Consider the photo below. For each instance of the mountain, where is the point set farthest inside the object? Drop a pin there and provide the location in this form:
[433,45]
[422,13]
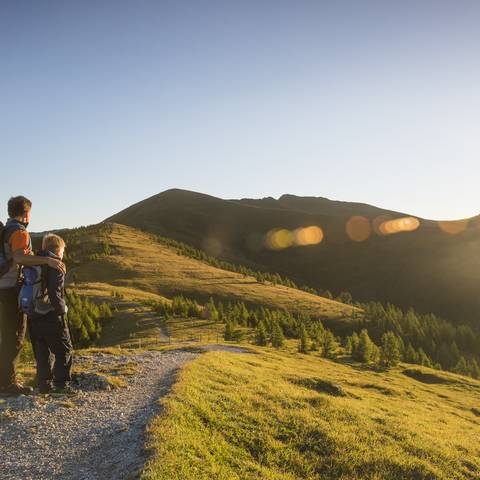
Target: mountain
[433,268]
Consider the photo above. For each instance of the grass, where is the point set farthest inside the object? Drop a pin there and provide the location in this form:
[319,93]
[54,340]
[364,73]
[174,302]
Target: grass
[140,267]
[273,415]
[198,330]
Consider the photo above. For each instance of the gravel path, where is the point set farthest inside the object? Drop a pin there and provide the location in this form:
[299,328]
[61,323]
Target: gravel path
[94,435]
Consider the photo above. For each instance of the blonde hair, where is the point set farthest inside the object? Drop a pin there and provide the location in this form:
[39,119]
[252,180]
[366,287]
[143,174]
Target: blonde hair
[52,242]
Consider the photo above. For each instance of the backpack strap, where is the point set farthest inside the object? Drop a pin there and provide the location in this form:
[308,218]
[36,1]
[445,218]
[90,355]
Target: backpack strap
[8,230]
[2,239]
[44,277]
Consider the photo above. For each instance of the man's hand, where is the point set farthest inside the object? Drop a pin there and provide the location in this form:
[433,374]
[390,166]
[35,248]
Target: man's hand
[57,264]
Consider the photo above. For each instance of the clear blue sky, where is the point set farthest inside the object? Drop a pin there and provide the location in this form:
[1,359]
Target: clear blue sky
[104,103]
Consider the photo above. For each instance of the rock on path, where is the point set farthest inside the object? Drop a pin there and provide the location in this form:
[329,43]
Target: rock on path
[94,435]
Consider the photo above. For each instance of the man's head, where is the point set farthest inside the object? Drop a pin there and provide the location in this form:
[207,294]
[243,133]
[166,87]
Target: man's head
[19,209]
[53,243]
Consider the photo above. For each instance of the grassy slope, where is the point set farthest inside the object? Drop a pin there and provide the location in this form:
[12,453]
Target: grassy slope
[427,269]
[140,264]
[250,416]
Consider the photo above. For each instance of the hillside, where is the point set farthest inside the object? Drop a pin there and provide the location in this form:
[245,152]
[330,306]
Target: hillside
[306,417]
[120,258]
[435,268]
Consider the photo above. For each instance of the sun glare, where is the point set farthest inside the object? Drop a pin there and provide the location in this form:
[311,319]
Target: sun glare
[453,227]
[405,224]
[358,228]
[281,238]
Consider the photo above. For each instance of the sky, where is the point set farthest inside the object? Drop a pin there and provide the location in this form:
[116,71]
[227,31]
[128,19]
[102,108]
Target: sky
[104,103]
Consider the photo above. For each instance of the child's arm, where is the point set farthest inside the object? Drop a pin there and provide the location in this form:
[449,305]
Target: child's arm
[55,287]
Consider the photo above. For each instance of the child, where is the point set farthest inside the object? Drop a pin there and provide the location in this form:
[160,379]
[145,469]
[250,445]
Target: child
[49,332]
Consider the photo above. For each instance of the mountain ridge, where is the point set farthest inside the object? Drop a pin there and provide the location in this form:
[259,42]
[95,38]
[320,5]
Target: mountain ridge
[434,268]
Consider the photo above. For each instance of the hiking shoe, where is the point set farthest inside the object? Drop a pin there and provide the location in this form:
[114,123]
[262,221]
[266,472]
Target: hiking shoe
[15,389]
[64,390]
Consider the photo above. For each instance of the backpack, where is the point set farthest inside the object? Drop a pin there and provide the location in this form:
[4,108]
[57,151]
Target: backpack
[33,297]
[5,264]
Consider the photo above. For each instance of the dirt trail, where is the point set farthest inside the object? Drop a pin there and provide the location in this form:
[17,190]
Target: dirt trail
[94,435]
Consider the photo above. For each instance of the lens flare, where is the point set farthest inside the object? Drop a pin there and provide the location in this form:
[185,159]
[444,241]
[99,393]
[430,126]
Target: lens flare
[308,236]
[378,223]
[358,229]
[399,225]
[279,239]
[453,227]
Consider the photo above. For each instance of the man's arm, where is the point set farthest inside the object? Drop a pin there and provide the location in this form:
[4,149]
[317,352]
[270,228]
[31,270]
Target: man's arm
[20,257]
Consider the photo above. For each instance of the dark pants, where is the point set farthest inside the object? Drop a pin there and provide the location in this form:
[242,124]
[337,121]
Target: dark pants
[12,331]
[50,337]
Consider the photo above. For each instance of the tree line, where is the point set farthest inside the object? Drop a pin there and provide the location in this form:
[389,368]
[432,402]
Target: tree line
[85,319]
[383,335]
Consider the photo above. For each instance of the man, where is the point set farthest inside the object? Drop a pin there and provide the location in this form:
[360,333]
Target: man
[17,246]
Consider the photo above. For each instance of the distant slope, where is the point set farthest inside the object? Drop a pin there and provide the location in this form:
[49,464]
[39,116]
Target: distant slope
[137,262]
[428,269]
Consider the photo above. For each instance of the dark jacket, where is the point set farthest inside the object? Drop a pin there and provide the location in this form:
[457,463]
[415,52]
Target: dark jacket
[55,285]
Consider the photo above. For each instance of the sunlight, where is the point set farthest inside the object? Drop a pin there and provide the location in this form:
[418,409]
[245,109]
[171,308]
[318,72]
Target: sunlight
[399,225]
[453,227]
[358,228]
[281,238]
[308,236]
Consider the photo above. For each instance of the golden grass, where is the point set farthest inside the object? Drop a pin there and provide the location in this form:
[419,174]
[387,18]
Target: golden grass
[243,416]
[143,268]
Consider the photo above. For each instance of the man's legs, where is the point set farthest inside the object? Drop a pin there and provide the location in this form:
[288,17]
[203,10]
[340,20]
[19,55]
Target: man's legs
[12,328]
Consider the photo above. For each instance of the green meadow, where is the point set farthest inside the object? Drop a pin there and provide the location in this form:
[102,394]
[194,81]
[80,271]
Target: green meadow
[283,415]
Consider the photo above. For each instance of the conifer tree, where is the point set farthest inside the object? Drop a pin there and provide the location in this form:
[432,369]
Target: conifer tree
[474,369]
[355,340]
[348,345]
[261,337]
[390,352]
[277,335]
[375,354]
[365,348]
[411,356]
[229,331]
[461,367]
[211,310]
[328,344]
[423,358]
[303,344]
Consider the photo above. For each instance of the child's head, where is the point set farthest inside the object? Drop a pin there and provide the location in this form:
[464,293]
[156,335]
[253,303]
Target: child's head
[53,243]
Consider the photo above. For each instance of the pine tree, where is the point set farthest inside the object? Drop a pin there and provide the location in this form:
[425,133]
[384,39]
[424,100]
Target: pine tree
[303,344]
[211,310]
[261,337]
[355,340]
[365,349]
[277,335]
[229,331]
[461,367]
[375,354]
[348,345]
[423,358]
[474,369]
[390,353]
[329,344]
[411,356]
